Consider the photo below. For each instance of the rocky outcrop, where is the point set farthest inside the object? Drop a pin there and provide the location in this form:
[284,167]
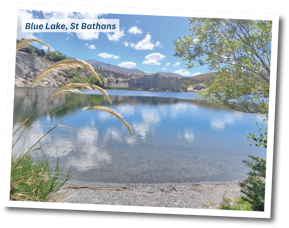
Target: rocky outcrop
[196,88]
[156,81]
[29,66]
[141,81]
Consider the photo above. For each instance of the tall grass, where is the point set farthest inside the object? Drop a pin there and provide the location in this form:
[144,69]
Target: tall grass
[32,178]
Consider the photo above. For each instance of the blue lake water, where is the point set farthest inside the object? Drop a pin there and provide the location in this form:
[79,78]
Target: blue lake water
[177,140]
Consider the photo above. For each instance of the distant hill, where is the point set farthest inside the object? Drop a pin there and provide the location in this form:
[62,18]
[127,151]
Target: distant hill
[113,68]
[171,74]
[199,79]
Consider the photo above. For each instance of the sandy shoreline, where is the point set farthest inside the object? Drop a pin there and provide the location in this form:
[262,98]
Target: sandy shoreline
[196,195]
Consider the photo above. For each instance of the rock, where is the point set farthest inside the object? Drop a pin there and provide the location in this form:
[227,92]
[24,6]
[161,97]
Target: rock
[156,81]
[29,66]
[141,81]
[199,87]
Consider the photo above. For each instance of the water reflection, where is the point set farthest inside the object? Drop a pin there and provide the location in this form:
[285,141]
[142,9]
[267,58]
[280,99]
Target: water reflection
[219,123]
[176,140]
[189,135]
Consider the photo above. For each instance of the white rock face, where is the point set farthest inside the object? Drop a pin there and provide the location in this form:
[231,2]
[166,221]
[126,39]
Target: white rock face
[29,66]
[141,81]
[156,81]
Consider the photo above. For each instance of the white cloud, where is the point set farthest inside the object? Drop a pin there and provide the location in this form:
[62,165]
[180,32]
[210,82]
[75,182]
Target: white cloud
[116,36]
[108,56]
[153,58]
[129,44]
[151,62]
[197,73]
[135,30]
[127,64]
[183,72]
[68,35]
[70,15]
[158,44]
[87,35]
[145,44]
[164,68]
[168,64]
[45,48]
[91,47]
[177,64]
[86,44]
[23,14]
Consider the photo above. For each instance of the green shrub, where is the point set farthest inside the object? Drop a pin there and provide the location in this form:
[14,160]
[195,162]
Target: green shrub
[239,204]
[93,80]
[253,187]
[34,180]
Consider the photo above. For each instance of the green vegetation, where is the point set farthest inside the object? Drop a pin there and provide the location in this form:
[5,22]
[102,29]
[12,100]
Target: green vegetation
[33,50]
[54,56]
[239,204]
[254,186]
[239,51]
[185,88]
[76,76]
[121,88]
[34,179]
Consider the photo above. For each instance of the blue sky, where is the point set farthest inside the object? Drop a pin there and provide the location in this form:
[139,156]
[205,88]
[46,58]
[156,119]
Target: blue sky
[143,42]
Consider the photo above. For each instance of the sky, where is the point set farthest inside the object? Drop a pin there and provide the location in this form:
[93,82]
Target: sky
[143,42]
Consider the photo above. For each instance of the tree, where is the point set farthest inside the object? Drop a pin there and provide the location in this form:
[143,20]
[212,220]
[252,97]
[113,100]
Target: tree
[239,51]
[55,56]
[93,80]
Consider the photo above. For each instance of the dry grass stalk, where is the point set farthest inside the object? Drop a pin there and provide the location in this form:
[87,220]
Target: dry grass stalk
[75,129]
[70,87]
[43,14]
[103,92]
[112,112]
[65,64]
[20,126]
[25,44]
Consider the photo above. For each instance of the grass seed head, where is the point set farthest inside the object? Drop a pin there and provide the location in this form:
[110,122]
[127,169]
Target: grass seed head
[112,112]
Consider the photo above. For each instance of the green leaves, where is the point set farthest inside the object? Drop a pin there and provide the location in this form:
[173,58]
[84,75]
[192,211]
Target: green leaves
[253,187]
[261,139]
[240,52]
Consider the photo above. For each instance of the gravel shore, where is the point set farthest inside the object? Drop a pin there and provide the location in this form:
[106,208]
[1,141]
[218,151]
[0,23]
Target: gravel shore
[201,195]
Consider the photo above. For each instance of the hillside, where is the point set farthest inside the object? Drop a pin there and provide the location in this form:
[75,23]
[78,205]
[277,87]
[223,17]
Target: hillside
[29,66]
[171,74]
[197,83]
[112,67]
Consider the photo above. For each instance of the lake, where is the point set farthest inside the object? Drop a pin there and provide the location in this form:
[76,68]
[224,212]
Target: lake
[177,139]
